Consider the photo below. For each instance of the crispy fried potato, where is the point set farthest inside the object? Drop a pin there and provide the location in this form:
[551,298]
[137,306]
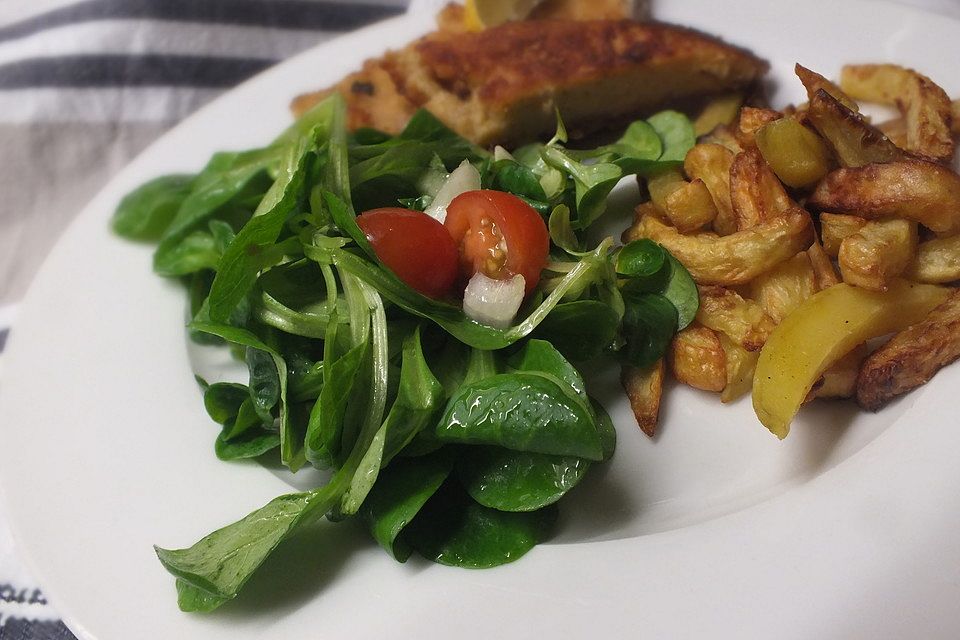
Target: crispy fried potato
[878,253]
[826,275]
[937,261]
[690,208]
[719,111]
[835,228]
[734,259]
[955,117]
[740,367]
[855,142]
[751,120]
[696,358]
[711,163]
[743,321]
[896,130]
[644,387]
[912,356]
[925,106]
[821,331]
[782,289]
[840,380]
[755,191]
[813,82]
[724,136]
[796,154]
[914,189]
[661,185]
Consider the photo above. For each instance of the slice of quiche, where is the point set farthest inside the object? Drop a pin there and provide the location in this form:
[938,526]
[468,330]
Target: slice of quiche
[502,85]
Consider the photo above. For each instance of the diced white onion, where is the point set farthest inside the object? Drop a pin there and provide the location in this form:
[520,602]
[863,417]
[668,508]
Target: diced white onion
[493,302]
[464,178]
[499,153]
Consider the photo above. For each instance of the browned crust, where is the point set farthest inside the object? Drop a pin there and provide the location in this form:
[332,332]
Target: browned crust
[912,356]
[501,85]
[919,190]
[644,388]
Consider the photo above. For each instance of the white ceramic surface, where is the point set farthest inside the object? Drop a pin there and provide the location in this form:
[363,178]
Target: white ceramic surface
[715,529]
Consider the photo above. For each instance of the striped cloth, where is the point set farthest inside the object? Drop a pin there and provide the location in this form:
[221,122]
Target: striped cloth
[84,87]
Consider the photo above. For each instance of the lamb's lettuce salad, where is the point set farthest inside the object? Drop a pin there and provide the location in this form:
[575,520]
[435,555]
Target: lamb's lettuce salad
[446,436]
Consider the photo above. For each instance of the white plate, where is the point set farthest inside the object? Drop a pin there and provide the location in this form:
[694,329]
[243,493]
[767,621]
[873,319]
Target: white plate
[847,529]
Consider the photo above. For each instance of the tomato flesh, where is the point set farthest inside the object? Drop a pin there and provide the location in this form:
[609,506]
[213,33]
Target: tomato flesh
[416,247]
[499,235]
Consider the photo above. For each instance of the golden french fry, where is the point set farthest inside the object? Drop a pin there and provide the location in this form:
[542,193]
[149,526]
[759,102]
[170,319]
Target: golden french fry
[690,208]
[855,142]
[783,288]
[751,120]
[924,105]
[840,380]
[878,253]
[733,259]
[755,191]
[696,358]
[826,275]
[720,111]
[796,154]
[914,189]
[813,82]
[711,163]
[896,130]
[740,367]
[835,228]
[824,329]
[661,185]
[743,321]
[955,117]
[723,136]
[912,356]
[644,388]
[937,261]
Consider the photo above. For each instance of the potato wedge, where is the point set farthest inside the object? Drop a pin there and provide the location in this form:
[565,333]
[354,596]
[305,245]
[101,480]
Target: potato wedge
[711,163]
[879,252]
[796,154]
[837,227]
[937,261]
[690,208]
[821,331]
[896,130]
[733,259]
[751,120]
[661,185]
[840,380]
[756,193]
[723,136]
[914,189]
[697,358]
[720,111]
[783,288]
[743,321]
[740,367]
[912,356]
[826,275]
[813,82]
[644,388]
[854,141]
[924,105]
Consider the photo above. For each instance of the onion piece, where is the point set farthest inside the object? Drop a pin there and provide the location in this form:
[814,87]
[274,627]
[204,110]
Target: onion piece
[493,302]
[499,153]
[464,178]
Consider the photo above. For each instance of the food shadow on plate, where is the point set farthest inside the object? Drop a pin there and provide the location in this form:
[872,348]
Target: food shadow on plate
[299,570]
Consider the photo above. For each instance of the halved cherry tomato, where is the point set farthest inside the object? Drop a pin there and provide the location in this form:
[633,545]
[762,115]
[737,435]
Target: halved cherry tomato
[416,247]
[498,234]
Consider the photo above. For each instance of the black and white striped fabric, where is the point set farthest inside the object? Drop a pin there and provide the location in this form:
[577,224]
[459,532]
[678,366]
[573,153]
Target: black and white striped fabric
[85,86]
